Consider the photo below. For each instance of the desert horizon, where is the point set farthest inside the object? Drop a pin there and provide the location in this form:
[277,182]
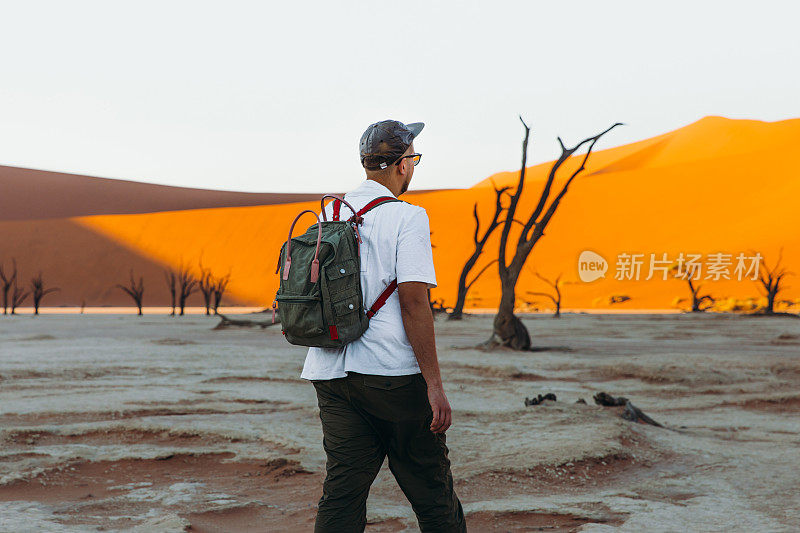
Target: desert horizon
[237,310]
[238,234]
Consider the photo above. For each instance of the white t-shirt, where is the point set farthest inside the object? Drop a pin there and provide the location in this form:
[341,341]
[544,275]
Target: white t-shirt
[396,244]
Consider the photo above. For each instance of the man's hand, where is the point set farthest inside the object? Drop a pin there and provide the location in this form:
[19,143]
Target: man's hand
[418,323]
[442,415]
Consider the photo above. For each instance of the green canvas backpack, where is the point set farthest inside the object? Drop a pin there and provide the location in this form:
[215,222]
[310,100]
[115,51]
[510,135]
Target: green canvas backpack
[319,300]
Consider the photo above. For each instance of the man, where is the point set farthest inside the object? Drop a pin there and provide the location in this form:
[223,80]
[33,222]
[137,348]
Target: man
[382,394]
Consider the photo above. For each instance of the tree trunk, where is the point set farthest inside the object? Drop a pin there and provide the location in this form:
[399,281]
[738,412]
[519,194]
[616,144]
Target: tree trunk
[458,309]
[508,328]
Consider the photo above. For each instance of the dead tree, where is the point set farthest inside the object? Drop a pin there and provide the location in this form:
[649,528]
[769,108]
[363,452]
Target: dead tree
[228,322]
[18,296]
[508,328]
[135,290]
[438,307]
[480,242]
[7,281]
[38,291]
[700,303]
[220,285]
[770,281]
[206,286]
[556,299]
[172,285]
[187,284]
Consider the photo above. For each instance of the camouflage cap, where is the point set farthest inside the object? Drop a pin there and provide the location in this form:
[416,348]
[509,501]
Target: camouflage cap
[384,142]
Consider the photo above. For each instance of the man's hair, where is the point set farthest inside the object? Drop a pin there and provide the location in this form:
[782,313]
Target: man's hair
[383,173]
[386,172]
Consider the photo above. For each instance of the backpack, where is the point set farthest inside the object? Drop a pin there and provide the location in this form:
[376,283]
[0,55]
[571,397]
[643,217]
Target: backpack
[319,300]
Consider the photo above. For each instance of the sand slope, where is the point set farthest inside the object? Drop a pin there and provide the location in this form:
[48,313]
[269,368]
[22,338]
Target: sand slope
[717,185]
[30,194]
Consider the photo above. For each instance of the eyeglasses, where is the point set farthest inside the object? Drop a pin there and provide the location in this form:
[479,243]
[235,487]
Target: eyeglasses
[416,159]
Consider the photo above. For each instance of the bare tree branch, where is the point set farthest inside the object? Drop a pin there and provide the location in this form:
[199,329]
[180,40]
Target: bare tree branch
[220,285]
[770,280]
[512,207]
[480,242]
[8,281]
[134,290]
[508,329]
[469,285]
[172,284]
[187,285]
[38,291]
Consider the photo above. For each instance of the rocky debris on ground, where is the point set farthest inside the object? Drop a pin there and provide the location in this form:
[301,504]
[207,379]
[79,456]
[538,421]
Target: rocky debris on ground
[631,412]
[539,399]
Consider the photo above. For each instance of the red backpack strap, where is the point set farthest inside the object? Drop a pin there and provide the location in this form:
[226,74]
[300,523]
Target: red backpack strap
[337,205]
[375,203]
[382,299]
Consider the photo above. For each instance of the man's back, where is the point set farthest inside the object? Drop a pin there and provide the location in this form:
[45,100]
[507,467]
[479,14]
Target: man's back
[381,396]
[396,245]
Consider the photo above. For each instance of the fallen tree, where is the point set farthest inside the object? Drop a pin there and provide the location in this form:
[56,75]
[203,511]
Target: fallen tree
[228,322]
[631,412]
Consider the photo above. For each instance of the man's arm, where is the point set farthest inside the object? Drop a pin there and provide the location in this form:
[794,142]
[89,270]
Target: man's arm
[418,323]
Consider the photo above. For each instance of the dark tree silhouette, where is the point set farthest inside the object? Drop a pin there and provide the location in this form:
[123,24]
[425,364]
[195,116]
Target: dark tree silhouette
[17,297]
[771,283]
[219,287]
[508,328]
[135,290]
[480,242]
[172,285]
[187,284]
[556,299]
[7,281]
[437,306]
[700,303]
[206,286]
[38,291]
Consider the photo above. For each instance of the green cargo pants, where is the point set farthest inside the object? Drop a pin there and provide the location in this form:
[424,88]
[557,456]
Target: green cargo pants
[366,418]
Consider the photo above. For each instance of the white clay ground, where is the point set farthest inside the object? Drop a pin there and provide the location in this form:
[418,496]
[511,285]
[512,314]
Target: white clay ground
[155,423]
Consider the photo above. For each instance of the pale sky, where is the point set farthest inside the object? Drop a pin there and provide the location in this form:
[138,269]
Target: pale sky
[268,96]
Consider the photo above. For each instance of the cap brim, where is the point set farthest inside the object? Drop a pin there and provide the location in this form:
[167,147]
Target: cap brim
[415,127]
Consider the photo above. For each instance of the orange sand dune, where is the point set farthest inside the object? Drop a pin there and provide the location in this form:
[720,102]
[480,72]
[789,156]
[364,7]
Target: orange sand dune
[717,185]
[83,264]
